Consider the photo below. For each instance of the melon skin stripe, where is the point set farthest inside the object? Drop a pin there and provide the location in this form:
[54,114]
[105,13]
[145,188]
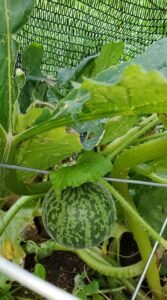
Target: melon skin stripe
[79,217]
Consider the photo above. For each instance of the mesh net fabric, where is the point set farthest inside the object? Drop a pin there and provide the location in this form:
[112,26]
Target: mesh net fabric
[71,30]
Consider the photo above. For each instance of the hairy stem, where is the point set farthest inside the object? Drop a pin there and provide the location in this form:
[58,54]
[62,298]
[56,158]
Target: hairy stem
[10,214]
[93,258]
[119,144]
[139,228]
[133,214]
[151,150]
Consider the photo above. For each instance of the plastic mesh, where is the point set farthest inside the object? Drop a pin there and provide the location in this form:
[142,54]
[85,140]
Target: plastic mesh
[71,30]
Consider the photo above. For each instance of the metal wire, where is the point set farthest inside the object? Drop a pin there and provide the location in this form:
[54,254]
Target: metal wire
[26,169]
[131,181]
[41,287]
[148,262]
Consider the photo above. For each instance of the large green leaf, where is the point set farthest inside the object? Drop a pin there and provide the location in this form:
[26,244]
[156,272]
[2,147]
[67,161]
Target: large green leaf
[47,149]
[89,168]
[109,56]
[8,87]
[90,66]
[116,127]
[13,14]
[154,58]
[33,52]
[136,93]
[36,85]
[151,204]
[34,115]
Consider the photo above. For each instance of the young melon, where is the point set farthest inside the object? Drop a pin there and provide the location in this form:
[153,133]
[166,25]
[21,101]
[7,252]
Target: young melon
[80,217]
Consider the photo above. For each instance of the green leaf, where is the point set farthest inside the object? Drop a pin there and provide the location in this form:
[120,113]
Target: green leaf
[91,133]
[25,121]
[109,56]
[151,204]
[68,74]
[137,92]
[3,139]
[8,87]
[92,288]
[89,168]
[13,14]
[82,295]
[40,271]
[36,84]
[33,52]
[156,170]
[46,150]
[116,127]
[153,58]
[42,250]
[90,66]
[14,233]
[33,90]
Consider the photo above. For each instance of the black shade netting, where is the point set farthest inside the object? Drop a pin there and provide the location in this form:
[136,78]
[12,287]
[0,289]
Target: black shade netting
[71,30]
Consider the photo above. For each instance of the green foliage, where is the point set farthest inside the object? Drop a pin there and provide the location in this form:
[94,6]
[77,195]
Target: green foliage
[116,127]
[10,240]
[109,56]
[36,51]
[47,149]
[151,204]
[82,290]
[153,58]
[13,16]
[89,168]
[126,96]
[40,271]
[105,111]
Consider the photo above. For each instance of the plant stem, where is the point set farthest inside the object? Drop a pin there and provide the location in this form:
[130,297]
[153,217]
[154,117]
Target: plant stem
[14,209]
[152,136]
[151,150]
[132,213]
[93,258]
[119,144]
[136,223]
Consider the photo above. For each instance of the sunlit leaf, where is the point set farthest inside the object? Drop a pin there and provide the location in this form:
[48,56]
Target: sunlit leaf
[25,121]
[116,127]
[89,168]
[109,56]
[153,58]
[48,149]
[137,92]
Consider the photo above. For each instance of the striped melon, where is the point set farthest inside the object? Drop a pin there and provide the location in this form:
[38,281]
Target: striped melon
[80,217]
